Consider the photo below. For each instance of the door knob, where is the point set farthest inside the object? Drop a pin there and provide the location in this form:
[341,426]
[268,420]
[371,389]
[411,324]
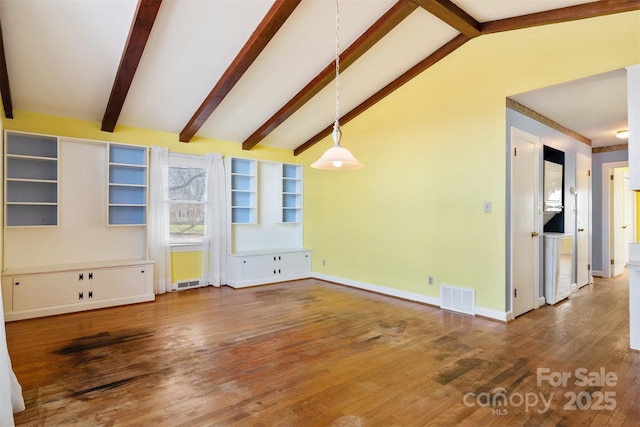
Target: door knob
[580,229]
[534,234]
[624,226]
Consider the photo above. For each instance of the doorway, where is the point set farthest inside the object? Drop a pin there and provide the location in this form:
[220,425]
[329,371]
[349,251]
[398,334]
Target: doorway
[618,218]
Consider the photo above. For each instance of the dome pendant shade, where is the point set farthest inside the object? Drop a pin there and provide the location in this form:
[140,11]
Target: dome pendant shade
[337,157]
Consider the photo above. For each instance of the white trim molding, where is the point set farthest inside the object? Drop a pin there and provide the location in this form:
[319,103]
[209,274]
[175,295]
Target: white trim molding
[410,296]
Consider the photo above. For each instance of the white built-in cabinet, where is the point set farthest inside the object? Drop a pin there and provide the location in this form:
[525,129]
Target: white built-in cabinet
[74,225]
[266,226]
[251,268]
[36,292]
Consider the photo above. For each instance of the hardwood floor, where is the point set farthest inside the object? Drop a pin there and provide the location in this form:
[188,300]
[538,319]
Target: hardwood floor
[311,353]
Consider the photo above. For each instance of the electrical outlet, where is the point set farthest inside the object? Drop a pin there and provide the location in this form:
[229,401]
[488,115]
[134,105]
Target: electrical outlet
[430,280]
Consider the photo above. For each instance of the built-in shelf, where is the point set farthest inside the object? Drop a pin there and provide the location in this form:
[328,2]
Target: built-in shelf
[127,185]
[243,191]
[31,180]
[291,193]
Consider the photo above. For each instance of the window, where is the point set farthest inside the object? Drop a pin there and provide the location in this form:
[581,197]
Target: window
[187,198]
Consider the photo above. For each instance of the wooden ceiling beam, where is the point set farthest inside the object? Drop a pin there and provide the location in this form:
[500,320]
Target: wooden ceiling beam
[396,14]
[146,13]
[571,13]
[5,88]
[262,35]
[564,14]
[430,60]
[452,15]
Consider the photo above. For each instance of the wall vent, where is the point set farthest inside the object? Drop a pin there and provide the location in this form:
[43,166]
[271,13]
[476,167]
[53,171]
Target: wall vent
[462,300]
[186,285]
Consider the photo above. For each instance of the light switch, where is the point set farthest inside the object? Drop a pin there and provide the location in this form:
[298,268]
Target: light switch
[487,207]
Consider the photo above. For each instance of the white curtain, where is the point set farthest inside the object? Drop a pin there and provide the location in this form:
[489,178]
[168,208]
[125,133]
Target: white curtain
[159,230]
[10,391]
[214,264]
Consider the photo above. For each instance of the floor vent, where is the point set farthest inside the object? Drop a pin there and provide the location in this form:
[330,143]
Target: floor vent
[462,300]
[187,285]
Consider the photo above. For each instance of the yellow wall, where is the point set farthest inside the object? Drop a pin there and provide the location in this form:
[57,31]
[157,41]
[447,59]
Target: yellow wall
[434,152]
[186,266]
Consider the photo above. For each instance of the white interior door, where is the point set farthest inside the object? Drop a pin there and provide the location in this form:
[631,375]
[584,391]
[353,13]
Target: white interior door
[583,220]
[619,243]
[525,229]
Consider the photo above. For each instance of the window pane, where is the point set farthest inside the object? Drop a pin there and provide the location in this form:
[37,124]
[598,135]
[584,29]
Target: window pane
[187,222]
[187,184]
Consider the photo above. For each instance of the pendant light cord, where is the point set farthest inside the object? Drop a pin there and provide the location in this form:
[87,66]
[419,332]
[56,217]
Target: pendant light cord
[337,65]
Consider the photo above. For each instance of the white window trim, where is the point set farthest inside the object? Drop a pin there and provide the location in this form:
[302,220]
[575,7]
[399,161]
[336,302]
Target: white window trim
[181,160]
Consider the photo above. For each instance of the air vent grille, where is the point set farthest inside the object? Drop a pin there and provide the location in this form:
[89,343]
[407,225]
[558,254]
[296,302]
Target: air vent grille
[462,300]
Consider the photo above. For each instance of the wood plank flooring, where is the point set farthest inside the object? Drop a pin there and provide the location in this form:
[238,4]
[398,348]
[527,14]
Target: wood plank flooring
[311,353]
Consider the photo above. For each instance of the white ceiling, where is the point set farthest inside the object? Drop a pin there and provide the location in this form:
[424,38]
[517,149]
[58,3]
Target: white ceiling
[62,58]
[595,107]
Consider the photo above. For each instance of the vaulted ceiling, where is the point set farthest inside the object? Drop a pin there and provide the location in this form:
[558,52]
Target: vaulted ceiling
[256,72]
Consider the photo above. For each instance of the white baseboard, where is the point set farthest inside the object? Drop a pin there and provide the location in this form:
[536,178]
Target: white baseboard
[410,296]
[596,274]
[541,301]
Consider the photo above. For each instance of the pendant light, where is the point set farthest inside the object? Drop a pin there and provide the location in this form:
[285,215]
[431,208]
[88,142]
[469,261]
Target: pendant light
[337,157]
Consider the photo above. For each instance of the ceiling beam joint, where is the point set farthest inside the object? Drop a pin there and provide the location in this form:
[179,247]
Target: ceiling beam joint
[452,15]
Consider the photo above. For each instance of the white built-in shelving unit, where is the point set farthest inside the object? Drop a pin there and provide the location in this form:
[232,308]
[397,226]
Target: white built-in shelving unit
[265,231]
[243,180]
[127,185]
[61,252]
[291,193]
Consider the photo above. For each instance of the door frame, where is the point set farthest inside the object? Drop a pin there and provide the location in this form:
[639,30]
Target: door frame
[589,225]
[606,220]
[538,220]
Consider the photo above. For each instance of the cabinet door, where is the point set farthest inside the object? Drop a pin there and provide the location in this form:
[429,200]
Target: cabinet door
[118,282]
[295,263]
[257,267]
[46,290]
